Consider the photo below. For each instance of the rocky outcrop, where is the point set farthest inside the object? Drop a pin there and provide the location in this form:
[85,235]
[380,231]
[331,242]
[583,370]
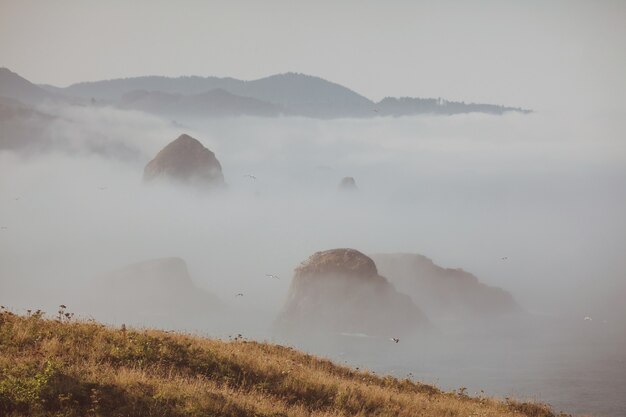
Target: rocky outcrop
[185,160]
[340,291]
[156,292]
[443,292]
[347,184]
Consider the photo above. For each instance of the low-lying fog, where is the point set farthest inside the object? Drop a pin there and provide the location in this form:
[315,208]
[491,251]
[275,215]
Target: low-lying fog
[545,191]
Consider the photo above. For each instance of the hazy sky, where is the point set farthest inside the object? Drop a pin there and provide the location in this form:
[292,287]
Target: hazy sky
[534,54]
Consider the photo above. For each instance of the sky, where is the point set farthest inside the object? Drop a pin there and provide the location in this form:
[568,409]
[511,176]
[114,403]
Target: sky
[534,54]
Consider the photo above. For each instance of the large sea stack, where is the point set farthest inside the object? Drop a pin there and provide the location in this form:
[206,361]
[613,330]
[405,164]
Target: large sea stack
[445,293]
[185,160]
[340,291]
[158,292]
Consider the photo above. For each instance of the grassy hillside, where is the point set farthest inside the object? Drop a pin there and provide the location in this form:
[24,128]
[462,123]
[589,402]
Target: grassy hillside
[60,367]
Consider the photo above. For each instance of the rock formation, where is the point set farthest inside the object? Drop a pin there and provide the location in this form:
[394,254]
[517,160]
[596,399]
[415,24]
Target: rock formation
[443,292]
[156,292]
[340,291]
[185,160]
[348,184]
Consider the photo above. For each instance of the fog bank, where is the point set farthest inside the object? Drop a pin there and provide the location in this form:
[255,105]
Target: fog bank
[546,192]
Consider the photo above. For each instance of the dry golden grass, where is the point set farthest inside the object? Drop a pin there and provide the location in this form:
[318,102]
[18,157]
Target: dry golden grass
[66,368]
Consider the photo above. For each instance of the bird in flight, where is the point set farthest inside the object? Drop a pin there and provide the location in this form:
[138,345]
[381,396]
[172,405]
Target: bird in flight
[239,294]
[102,188]
[588,318]
[3,228]
[395,339]
[252,177]
[504,258]
[272,276]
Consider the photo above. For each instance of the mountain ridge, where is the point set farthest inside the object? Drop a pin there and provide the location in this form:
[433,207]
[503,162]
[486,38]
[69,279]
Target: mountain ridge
[299,94]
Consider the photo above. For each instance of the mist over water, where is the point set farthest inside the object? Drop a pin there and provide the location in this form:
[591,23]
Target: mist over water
[545,190]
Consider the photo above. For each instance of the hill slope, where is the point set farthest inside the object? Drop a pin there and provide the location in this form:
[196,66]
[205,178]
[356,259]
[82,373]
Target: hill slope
[18,88]
[213,103]
[114,89]
[64,368]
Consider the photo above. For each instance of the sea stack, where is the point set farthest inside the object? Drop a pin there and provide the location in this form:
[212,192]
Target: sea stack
[348,184]
[340,291]
[187,161]
[445,293]
[158,292]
